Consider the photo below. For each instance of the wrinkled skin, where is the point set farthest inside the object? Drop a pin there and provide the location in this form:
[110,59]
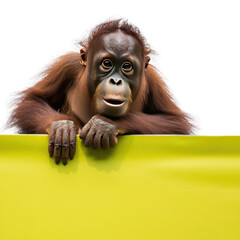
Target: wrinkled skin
[62,140]
[99,133]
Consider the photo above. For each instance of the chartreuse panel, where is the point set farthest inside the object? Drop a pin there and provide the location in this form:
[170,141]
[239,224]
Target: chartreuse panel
[147,187]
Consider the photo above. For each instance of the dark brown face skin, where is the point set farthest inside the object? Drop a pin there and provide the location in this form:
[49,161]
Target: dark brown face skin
[115,64]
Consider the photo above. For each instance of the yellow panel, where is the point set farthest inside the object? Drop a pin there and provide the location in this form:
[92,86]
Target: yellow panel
[147,187]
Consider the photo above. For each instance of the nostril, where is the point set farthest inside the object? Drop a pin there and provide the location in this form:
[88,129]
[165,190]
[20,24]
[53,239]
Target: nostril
[116,82]
[112,81]
[119,82]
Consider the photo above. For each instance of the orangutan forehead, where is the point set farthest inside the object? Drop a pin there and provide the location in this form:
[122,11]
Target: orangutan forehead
[119,41]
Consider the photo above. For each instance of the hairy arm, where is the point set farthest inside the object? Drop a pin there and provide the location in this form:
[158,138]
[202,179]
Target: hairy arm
[41,104]
[142,123]
[36,116]
[39,109]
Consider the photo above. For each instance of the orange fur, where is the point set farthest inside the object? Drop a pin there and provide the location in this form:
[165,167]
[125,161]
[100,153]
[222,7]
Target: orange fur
[62,95]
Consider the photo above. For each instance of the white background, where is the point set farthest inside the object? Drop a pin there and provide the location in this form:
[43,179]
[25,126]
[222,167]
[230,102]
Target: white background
[198,46]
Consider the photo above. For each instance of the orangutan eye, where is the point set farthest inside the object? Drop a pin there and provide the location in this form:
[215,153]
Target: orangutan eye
[127,66]
[107,64]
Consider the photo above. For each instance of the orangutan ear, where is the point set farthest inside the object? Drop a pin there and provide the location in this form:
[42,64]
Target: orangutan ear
[147,59]
[83,57]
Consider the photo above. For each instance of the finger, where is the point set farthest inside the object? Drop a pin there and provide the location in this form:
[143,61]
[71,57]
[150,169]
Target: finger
[58,146]
[89,138]
[85,131]
[51,140]
[97,140]
[105,142]
[65,145]
[113,140]
[72,147]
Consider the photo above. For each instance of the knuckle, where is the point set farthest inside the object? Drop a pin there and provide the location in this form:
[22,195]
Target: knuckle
[50,145]
[65,147]
[58,141]
[57,147]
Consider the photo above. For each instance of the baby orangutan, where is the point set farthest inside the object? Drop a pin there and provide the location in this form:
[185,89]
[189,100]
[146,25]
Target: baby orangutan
[107,89]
